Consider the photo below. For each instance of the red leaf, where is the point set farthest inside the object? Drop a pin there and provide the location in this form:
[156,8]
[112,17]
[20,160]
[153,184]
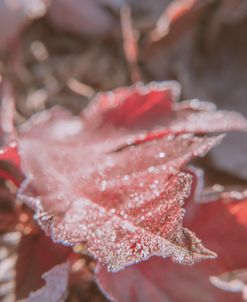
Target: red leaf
[104,180]
[222,226]
[153,106]
[37,254]
[134,107]
[56,286]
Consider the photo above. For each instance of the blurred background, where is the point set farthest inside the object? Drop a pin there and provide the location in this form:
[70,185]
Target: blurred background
[64,51]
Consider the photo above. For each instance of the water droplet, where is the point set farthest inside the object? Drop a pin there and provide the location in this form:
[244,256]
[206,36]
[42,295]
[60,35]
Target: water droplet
[151,169]
[103,185]
[162,154]
[126,177]
[112,211]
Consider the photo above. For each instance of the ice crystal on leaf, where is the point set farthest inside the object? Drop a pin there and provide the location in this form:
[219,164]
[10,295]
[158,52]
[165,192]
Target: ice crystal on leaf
[111,178]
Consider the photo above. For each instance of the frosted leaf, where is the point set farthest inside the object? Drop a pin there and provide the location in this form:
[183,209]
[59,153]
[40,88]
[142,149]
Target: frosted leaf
[148,107]
[222,225]
[111,180]
[56,286]
[124,236]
